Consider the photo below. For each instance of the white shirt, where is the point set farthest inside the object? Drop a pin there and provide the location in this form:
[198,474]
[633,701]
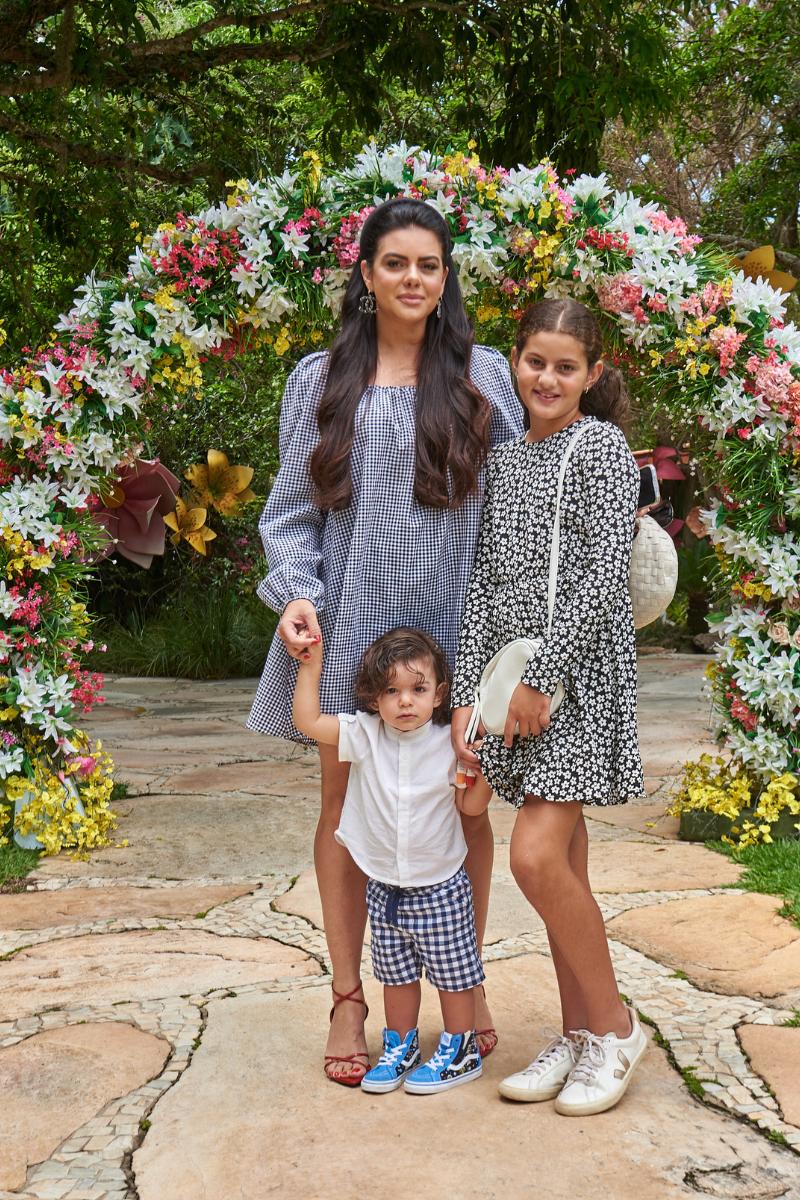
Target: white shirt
[400,821]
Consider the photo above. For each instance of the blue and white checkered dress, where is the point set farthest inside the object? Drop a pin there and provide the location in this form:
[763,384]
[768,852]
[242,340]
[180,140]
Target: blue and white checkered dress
[385,560]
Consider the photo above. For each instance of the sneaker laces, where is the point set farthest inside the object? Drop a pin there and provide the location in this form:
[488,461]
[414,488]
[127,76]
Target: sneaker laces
[593,1057]
[391,1056]
[439,1059]
[546,1057]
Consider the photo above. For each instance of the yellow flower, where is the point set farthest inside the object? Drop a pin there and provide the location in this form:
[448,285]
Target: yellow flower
[8,714]
[220,485]
[189,523]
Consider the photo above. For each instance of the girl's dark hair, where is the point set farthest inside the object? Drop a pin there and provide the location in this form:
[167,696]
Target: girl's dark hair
[377,668]
[452,425]
[608,398]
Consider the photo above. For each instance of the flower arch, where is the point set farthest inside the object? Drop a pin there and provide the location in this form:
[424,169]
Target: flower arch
[269,266]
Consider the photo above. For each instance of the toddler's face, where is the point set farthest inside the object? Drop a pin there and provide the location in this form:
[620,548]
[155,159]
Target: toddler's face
[411,696]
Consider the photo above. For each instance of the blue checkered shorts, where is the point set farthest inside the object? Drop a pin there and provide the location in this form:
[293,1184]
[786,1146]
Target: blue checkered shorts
[431,927]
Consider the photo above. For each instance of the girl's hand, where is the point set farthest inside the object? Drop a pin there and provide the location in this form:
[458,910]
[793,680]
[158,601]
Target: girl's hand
[312,654]
[530,710]
[298,627]
[459,720]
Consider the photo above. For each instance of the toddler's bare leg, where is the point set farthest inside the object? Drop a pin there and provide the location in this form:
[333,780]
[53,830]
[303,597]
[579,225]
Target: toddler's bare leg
[458,1010]
[401,1004]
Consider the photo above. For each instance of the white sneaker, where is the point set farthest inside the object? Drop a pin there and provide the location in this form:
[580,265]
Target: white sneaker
[544,1077]
[603,1072]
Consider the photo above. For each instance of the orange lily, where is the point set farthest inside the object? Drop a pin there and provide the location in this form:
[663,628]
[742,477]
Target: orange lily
[189,524]
[220,485]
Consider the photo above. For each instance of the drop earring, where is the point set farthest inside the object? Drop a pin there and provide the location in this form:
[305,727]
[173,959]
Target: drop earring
[439,309]
[367,304]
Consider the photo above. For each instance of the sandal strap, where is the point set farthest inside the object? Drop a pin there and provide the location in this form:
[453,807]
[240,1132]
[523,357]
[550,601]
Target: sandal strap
[347,1058]
[340,997]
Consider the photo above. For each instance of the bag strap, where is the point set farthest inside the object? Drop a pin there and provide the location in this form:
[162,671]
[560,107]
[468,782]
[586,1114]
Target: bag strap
[552,580]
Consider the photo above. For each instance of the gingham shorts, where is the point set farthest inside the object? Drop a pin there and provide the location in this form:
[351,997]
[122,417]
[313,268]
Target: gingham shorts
[431,927]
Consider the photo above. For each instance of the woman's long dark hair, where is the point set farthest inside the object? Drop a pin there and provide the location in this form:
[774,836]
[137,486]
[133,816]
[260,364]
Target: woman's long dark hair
[608,398]
[452,414]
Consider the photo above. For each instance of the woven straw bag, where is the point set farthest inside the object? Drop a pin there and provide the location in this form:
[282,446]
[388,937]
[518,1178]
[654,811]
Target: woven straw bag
[654,572]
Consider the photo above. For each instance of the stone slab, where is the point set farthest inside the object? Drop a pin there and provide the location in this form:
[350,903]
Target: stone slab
[639,817]
[75,906]
[774,1053]
[55,1081]
[302,1136]
[182,837]
[736,944]
[103,969]
[252,778]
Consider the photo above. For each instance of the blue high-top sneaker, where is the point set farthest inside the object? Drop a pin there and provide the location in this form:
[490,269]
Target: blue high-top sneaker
[400,1055]
[457,1060]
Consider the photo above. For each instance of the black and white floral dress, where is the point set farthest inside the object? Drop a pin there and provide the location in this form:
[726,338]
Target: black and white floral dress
[590,751]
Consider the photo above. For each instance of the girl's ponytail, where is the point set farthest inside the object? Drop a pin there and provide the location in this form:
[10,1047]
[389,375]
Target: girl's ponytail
[608,399]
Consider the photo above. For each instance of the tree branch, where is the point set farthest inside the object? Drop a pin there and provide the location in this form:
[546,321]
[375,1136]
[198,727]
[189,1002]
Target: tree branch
[90,157]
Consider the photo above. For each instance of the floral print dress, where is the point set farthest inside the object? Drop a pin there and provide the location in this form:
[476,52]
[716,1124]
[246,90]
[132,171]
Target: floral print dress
[590,751]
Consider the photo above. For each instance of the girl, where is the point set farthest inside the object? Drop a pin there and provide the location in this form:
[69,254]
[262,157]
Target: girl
[587,753]
[372,523]
[401,826]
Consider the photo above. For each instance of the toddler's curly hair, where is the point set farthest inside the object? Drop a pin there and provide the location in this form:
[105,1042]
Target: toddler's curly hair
[403,645]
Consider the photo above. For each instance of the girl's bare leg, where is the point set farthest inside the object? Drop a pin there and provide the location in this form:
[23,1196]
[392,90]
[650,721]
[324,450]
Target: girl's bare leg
[342,888]
[540,863]
[478,865]
[573,1003]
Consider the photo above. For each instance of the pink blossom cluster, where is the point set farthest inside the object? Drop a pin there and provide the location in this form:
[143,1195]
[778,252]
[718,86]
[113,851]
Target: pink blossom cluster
[742,712]
[676,226]
[725,342]
[311,218]
[622,294]
[185,262]
[771,378]
[28,604]
[345,244]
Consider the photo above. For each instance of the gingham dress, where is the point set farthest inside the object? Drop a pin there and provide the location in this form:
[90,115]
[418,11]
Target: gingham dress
[590,751]
[383,561]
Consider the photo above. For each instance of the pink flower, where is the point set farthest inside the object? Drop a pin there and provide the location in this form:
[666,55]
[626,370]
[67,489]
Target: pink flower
[133,514]
[743,714]
[621,294]
[725,342]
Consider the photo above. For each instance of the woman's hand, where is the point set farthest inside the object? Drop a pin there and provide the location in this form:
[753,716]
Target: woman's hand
[459,720]
[530,710]
[299,627]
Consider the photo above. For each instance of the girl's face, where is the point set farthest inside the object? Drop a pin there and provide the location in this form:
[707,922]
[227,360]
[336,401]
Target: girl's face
[407,275]
[552,375]
[408,700]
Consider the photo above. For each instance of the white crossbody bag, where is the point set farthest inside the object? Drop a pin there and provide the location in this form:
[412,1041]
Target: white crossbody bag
[652,560]
[503,672]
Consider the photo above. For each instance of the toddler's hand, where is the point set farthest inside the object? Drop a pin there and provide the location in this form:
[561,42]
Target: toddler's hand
[312,648]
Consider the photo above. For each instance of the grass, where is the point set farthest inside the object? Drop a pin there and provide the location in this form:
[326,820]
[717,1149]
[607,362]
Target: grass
[15,864]
[210,635]
[773,869]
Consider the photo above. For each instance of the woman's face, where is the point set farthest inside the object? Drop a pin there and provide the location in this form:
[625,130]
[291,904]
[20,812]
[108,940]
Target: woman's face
[552,375]
[407,275]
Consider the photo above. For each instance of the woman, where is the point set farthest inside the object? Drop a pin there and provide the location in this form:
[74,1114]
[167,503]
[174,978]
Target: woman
[372,523]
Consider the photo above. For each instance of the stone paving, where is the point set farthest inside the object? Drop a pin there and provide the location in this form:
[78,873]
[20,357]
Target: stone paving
[185,978]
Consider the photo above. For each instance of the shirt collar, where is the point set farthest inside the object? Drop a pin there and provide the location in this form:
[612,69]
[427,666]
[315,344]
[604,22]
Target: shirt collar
[412,735]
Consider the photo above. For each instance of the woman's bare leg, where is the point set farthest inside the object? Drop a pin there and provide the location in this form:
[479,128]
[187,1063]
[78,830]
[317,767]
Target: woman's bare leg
[540,863]
[478,865]
[342,888]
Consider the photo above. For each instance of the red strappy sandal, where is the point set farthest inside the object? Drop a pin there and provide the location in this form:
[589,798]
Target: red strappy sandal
[354,1060]
[490,1033]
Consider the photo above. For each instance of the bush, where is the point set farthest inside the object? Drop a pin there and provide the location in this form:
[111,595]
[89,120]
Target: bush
[214,634]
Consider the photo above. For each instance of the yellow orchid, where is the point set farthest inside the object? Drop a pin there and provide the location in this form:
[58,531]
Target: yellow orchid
[189,524]
[220,485]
